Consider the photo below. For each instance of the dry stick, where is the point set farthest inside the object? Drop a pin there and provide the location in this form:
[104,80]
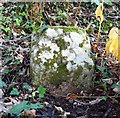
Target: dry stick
[41,10]
[68,17]
[101,20]
[107,113]
[77,11]
[97,97]
[68,12]
[90,97]
[98,36]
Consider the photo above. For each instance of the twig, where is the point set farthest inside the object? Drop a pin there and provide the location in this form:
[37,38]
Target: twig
[77,11]
[19,39]
[97,97]
[90,97]
[107,112]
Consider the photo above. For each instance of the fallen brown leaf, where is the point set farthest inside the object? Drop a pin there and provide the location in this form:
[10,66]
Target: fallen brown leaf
[30,112]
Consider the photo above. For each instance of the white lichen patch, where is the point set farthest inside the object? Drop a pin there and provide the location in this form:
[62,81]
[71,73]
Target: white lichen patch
[51,33]
[59,53]
[60,31]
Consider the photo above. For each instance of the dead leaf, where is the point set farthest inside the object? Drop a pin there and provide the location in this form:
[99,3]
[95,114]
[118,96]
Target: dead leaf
[72,96]
[108,81]
[30,112]
[99,13]
[95,101]
[63,113]
[89,25]
[113,44]
[93,47]
[99,90]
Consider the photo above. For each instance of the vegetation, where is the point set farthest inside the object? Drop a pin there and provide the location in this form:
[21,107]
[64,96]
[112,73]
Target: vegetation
[19,20]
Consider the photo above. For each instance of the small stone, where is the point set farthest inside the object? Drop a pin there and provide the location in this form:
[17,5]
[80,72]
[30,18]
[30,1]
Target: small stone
[1,93]
[108,81]
[117,88]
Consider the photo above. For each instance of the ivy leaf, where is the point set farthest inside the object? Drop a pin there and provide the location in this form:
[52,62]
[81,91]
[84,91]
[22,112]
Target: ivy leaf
[17,109]
[108,2]
[33,106]
[105,86]
[14,92]
[24,105]
[64,14]
[105,75]
[43,28]
[41,91]
[2,84]
[26,86]
[5,29]
[115,85]
[18,21]
[16,61]
[101,68]
[7,61]
[21,6]
[95,1]
[104,98]
[6,71]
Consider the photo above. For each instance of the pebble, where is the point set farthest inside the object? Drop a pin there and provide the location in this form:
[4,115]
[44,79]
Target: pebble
[1,93]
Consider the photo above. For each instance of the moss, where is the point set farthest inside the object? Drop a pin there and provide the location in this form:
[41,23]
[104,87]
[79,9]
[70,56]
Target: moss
[77,73]
[88,66]
[81,45]
[61,75]
[61,43]
[67,29]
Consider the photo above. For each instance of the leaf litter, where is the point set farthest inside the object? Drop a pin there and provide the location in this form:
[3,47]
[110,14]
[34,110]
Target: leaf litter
[72,105]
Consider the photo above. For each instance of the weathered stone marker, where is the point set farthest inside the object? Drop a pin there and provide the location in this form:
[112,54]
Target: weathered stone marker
[61,59]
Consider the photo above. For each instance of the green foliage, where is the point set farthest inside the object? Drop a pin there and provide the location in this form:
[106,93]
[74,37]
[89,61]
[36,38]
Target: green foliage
[103,70]
[18,108]
[7,60]
[104,98]
[6,71]
[6,29]
[43,28]
[106,75]
[26,86]
[24,105]
[7,53]
[14,92]
[108,2]
[18,16]
[16,61]
[41,90]
[61,15]
[115,85]
[104,86]
[2,83]
[97,2]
